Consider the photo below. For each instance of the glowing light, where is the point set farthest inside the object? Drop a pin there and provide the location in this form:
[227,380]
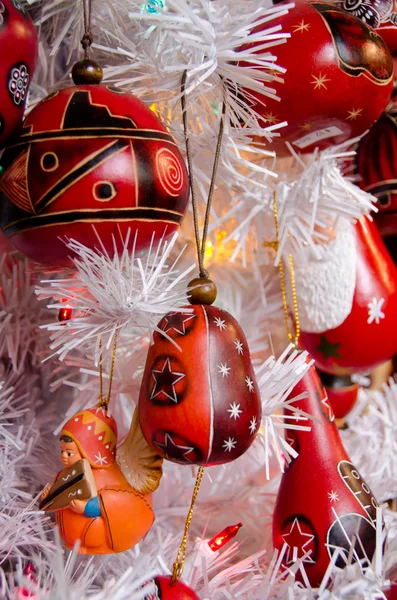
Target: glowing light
[152,5]
[65,314]
[224,536]
[209,249]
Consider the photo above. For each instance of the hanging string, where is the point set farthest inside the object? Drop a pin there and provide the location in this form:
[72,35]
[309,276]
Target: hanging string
[293,338]
[104,402]
[200,244]
[180,559]
[87,38]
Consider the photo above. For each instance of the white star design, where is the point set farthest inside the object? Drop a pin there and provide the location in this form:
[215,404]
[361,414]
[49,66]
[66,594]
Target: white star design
[229,444]
[375,311]
[167,327]
[252,426]
[239,346]
[101,460]
[220,323]
[331,415]
[224,370]
[333,496]
[170,386]
[297,534]
[234,411]
[250,383]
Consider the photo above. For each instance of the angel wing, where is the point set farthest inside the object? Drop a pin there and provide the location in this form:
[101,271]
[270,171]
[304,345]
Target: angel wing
[138,462]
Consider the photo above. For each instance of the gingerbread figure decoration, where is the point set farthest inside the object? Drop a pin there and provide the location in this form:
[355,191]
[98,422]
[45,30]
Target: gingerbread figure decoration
[102,497]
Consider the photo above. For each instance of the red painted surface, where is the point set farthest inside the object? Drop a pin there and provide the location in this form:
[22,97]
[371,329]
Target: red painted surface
[90,155]
[322,498]
[338,82]
[200,404]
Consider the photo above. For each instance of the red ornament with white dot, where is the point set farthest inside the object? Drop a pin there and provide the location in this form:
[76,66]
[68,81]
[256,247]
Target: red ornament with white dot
[338,80]
[18,49]
[199,401]
[90,155]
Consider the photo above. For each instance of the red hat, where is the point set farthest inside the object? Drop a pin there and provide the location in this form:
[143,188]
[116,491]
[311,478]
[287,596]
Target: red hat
[95,434]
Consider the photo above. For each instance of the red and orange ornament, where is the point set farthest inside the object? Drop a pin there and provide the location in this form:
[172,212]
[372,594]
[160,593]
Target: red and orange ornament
[90,155]
[339,52]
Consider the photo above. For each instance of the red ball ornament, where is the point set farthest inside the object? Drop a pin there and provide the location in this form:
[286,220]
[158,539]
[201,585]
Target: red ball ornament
[90,155]
[323,504]
[199,401]
[365,338]
[338,82]
[376,166]
[342,393]
[18,49]
[168,591]
[381,15]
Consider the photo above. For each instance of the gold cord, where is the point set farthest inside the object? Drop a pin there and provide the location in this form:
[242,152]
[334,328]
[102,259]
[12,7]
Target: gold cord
[293,338]
[180,559]
[104,403]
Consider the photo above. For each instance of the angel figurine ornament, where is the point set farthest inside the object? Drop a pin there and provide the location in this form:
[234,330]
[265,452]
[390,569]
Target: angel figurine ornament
[102,498]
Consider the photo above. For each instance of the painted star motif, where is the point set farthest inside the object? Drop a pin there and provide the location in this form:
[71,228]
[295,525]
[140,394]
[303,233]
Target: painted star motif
[224,370]
[249,383]
[234,411]
[306,126]
[297,543]
[271,118]
[327,349]
[253,424]
[229,444]
[239,346]
[182,331]
[165,381]
[100,409]
[331,415]
[353,114]
[320,81]
[173,450]
[375,312]
[301,27]
[333,496]
[101,460]
[220,323]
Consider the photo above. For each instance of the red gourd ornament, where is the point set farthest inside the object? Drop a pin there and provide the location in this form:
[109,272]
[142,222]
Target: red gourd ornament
[199,401]
[376,166]
[338,52]
[323,503]
[380,15]
[166,590]
[90,155]
[365,338]
[18,49]
[342,393]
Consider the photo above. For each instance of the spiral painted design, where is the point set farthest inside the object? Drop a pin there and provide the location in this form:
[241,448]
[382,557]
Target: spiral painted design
[170,171]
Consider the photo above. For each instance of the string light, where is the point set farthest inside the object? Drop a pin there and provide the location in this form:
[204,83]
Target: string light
[65,314]
[224,536]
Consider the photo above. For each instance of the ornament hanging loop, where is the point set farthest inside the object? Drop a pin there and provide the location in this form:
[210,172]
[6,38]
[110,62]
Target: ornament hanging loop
[104,402]
[87,39]
[200,243]
[180,559]
[294,339]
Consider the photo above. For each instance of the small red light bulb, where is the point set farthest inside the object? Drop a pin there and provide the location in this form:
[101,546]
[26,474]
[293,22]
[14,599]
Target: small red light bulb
[224,536]
[65,314]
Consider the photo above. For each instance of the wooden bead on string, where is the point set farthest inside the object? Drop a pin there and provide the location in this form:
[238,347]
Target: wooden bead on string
[202,290]
[87,72]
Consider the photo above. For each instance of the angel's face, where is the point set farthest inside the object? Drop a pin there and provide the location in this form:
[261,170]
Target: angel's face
[70,454]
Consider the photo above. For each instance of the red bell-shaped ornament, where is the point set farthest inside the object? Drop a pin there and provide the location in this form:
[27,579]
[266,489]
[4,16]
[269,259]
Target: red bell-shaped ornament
[342,393]
[323,504]
[199,401]
[376,165]
[171,591]
[328,51]
[366,337]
